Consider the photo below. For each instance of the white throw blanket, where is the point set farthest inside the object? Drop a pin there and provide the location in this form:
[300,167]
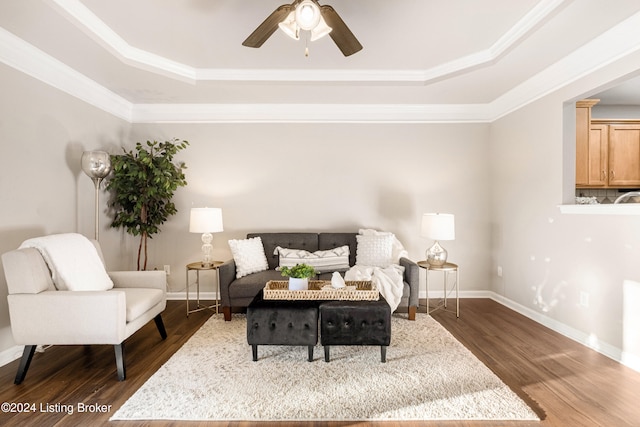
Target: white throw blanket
[73,260]
[388,280]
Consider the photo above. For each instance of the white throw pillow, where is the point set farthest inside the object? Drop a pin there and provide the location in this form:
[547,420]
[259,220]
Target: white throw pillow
[375,250]
[335,259]
[249,256]
[397,249]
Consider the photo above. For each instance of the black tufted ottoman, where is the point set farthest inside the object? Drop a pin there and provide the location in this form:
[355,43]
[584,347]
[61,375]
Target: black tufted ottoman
[355,323]
[278,322]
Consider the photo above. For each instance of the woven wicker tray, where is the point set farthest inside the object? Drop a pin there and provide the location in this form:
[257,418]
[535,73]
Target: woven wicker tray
[364,291]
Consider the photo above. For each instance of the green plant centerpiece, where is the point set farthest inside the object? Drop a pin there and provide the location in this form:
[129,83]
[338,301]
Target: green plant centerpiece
[298,276]
[143,183]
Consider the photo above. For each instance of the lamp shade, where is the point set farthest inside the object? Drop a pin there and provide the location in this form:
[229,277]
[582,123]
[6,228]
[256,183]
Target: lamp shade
[438,226]
[205,220]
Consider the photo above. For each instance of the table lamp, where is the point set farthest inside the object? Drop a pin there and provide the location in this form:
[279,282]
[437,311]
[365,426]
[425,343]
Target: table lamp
[206,221]
[438,226]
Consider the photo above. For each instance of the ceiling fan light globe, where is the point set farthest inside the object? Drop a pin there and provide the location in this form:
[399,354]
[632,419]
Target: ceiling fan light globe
[321,30]
[289,26]
[307,15]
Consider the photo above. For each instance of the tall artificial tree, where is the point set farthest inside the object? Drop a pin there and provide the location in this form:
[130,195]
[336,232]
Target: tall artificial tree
[143,183]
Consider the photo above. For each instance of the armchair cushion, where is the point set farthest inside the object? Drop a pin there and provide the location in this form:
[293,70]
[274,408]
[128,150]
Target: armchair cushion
[73,260]
[140,300]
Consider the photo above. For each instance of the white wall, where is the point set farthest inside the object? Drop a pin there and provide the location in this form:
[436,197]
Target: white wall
[43,133]
[549,259]
[318,177]
[616,111]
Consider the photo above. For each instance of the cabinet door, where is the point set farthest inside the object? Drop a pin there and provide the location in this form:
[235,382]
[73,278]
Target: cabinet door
[598,155]
[624,155]
[583,119]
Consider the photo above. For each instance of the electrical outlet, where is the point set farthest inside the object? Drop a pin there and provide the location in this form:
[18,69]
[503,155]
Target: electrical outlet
[499,271]
[584,299]
[167,269]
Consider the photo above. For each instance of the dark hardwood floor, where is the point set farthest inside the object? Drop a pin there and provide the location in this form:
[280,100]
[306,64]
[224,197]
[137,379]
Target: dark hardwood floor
[566,383]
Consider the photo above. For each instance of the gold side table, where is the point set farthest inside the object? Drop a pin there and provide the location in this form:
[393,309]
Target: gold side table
[446,269]
[198,267]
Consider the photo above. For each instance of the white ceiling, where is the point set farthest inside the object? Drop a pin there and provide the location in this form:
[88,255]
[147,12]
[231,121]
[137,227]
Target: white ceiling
[182,60]
[625,93]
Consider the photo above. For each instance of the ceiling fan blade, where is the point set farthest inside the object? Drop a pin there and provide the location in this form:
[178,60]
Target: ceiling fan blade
[341,34]
[268,27]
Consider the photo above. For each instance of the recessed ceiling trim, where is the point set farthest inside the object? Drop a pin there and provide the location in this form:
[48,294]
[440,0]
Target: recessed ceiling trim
[309,113]
[30,60]
[617,43]
[84,18]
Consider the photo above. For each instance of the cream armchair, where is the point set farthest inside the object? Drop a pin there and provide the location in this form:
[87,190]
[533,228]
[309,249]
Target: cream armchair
[40,314]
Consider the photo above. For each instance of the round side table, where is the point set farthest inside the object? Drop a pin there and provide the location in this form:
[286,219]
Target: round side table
[446,269]
[198,267]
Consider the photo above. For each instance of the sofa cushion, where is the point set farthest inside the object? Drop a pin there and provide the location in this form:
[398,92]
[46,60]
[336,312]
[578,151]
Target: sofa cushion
[336,259]
[249,286]
[248,255]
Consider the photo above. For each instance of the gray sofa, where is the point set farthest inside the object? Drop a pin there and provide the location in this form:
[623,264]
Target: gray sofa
[238,293]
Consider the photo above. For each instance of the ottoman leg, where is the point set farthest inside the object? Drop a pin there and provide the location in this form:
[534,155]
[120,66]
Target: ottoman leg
[310,353]
[383,353]
[254,350]
[326,353]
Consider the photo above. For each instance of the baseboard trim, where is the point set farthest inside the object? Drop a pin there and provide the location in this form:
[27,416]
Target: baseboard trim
[580,337]
[612,352]
[182,296]
[9,355]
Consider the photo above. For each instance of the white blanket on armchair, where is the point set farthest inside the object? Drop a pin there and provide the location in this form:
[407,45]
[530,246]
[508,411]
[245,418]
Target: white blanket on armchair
[73,260]
[389,280]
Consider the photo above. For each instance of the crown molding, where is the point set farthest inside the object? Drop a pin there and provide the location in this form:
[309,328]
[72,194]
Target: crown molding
[309,113]
[613,45]
[85,19]
[30,60]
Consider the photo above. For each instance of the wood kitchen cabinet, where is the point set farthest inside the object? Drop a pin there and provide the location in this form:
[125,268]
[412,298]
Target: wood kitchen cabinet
[583,133]
[598,166]
[624,155]
[607,150]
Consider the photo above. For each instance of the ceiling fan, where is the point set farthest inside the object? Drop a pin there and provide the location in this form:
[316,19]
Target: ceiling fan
[306,16]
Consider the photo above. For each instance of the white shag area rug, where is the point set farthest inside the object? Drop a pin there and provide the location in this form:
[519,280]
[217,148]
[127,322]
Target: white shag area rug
[429,375]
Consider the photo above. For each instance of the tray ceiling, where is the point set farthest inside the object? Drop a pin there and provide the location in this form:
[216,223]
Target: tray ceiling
[463,58]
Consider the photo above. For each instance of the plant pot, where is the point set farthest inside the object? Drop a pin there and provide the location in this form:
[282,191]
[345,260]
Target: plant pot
[296,284]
